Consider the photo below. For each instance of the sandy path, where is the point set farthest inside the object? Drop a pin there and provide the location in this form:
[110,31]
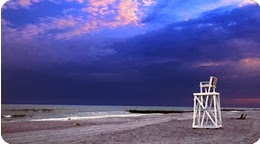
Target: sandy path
[71,135]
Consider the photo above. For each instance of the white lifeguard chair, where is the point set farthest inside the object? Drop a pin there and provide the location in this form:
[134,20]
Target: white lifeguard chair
[206,110]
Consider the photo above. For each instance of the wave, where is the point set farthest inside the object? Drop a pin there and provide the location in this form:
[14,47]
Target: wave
[6,116]
[89,117]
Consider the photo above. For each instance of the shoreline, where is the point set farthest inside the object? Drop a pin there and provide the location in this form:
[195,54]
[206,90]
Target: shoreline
[27,114]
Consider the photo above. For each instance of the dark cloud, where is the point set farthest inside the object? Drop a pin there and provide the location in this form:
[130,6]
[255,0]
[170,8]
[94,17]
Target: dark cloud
[207,37]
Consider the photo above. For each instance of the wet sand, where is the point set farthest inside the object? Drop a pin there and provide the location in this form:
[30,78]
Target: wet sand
[169,128]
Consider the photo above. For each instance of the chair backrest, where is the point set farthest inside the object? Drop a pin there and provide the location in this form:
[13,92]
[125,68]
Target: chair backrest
[213,81]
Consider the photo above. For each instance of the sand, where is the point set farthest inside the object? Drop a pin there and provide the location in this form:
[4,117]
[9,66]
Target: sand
[160,129]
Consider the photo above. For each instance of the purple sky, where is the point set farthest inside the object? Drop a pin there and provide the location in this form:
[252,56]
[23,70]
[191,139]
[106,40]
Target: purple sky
[129,52]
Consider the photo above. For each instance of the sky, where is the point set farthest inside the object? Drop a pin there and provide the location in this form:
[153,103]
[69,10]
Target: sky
[129,52]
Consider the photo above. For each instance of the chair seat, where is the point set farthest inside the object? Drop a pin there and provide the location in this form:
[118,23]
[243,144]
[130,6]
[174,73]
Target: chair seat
[205,93]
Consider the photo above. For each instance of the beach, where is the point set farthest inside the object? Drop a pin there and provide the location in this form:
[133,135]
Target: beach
[148,128]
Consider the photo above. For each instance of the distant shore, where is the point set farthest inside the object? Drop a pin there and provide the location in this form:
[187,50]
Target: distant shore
[156,111]
[149,128]
[174,111]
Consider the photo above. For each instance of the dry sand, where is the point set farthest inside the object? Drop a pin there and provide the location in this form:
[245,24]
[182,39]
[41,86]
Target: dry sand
[160,129]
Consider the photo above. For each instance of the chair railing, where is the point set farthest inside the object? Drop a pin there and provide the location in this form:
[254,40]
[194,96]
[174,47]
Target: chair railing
[208,85]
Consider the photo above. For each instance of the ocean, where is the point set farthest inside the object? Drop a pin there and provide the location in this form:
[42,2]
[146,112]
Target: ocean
[19,112]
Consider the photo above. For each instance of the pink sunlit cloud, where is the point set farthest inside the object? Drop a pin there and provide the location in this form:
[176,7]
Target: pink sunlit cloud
[120,12]
[211,64]
[78,1]
[250,62]
[148,2]
[99,7]
[100,14]
[32,31]
[244,63]
[20,3]
[241,101]
[26,3]
[249,67]
[128,12]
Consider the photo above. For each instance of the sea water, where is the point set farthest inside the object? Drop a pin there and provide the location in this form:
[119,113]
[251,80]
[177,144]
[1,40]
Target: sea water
[12,112]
